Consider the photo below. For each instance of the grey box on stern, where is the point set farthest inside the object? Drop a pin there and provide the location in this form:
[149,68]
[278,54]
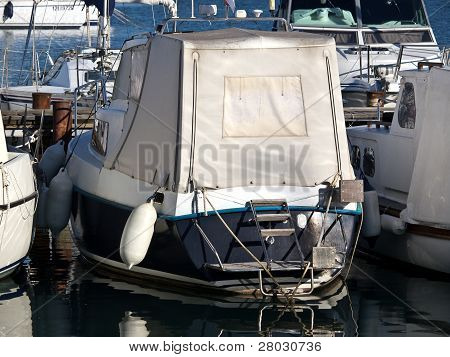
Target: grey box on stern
[324,257]
[351,191]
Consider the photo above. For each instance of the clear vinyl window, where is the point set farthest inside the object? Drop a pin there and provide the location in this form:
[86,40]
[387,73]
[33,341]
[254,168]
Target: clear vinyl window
[263,106]
[407,108]
[100,136]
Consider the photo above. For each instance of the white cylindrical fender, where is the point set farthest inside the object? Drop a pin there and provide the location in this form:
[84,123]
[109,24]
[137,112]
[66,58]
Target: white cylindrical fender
[371,224]
[59,202]
[137,234]
[41,221]
[393,224]
[133,326]
[52,160]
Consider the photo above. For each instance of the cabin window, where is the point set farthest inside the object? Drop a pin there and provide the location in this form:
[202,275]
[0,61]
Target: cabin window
[96,75]
[341,37]
[393,13]
[397,37]
[263,106]
[407,107]
[316,13]
[100,136]
[369,162]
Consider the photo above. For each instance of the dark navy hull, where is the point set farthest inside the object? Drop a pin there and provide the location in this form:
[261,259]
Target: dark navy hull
[178,249]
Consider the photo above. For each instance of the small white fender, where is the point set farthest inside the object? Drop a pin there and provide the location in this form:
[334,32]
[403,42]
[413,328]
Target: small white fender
[371,224]
[393,224]
[59,202]
[137,234]
[133,326]
[52,160]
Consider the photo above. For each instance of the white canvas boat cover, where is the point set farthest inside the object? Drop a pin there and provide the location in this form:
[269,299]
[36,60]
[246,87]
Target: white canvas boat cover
[235,107]
[429,194]
[128,83]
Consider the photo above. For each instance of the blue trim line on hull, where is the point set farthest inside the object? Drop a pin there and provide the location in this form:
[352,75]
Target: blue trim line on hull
[356,212]
[12,265]
[259,209]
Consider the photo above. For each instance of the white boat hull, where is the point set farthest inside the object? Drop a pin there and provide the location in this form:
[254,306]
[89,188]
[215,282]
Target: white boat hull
[49,14]
[16,227]
[424,251]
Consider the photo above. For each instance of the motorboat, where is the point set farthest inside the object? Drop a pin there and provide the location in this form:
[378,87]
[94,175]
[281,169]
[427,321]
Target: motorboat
[375,40]
[48,14]
[17,206]
[221,163]
[405,166]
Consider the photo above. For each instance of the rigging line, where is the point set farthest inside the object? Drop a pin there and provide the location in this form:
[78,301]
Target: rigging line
[194,119]
[27,41]
[43,18]
[245,248]
[438,9]
[153,16]
[333,113]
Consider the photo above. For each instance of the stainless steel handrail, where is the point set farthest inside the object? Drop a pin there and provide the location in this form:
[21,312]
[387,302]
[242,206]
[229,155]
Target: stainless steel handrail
[175,20]
[88,84]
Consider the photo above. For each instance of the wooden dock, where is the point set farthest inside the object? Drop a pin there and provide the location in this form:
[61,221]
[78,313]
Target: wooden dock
[30,118]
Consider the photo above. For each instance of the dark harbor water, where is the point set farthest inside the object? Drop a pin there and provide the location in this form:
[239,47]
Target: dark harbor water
[56,293]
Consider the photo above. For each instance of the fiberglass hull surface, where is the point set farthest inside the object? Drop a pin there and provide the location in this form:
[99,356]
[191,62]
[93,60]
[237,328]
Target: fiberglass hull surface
[178,253]
[17,207]
[429,251]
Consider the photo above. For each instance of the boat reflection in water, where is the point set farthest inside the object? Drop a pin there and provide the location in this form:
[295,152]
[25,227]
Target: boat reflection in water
[69,300]
[153,312]
[56,295]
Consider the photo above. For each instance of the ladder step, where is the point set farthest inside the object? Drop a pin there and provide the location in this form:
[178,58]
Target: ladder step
[274,217]
[284,232]
[274,202]
[253,266]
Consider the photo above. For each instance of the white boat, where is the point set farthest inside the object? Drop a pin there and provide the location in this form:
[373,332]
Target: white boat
[83,73]
[374,40]
[259,221]
[17,206]
[407,164]
[72,73]
[49,14]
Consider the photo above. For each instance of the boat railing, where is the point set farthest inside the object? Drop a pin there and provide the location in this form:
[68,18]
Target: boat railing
[174,21]
[446,56]
[99,85]
[368,69]
[401,53]
[30,72]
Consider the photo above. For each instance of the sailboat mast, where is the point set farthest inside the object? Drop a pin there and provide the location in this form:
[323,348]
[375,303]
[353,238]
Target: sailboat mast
[105,26]
[88,26]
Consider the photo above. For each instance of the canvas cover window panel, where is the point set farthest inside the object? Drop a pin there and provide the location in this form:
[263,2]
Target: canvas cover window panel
[407,108]
[264,107]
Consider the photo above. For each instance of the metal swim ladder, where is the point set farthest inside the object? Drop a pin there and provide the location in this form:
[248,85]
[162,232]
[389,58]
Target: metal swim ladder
[267,236]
